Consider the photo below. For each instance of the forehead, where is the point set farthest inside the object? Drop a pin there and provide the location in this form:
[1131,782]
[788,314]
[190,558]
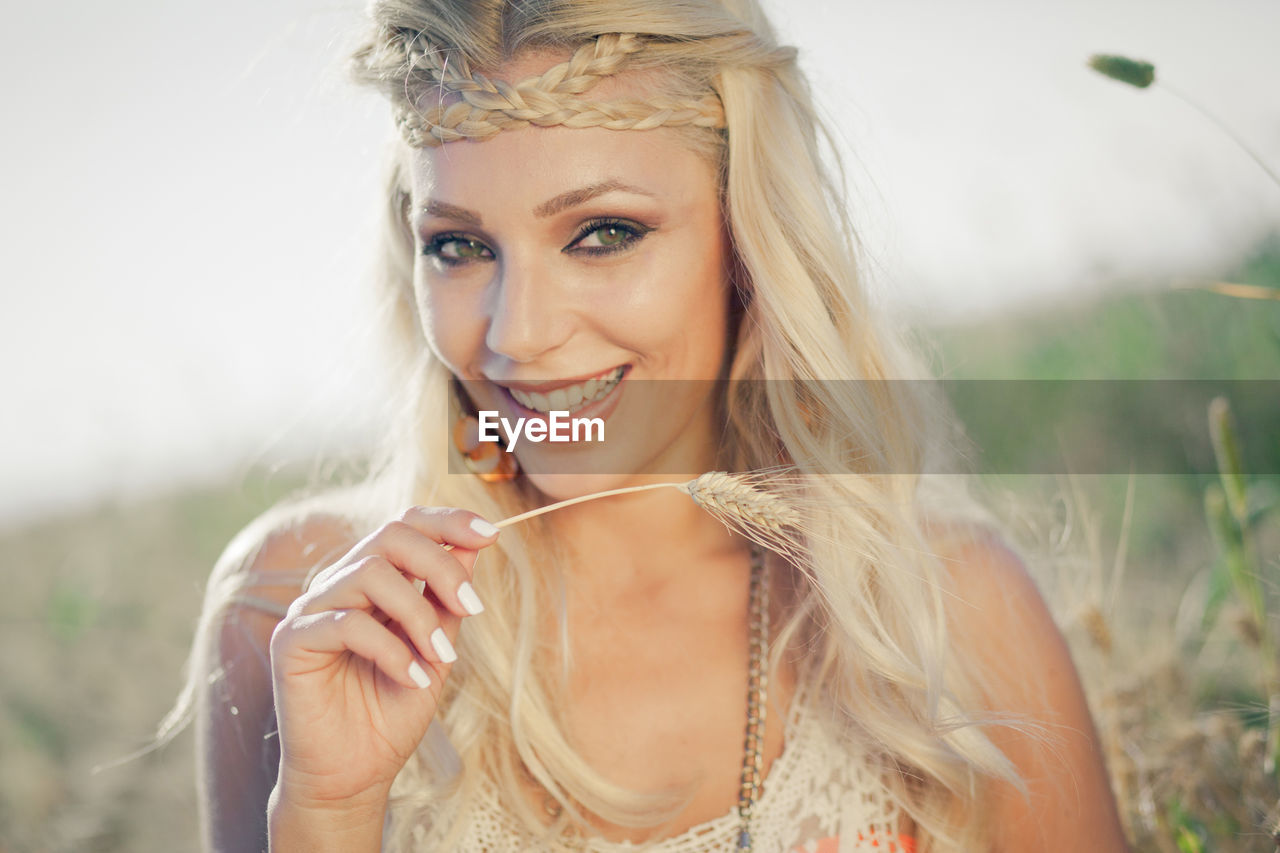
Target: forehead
[532,164]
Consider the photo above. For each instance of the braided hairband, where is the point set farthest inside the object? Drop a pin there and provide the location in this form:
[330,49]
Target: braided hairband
[489,106]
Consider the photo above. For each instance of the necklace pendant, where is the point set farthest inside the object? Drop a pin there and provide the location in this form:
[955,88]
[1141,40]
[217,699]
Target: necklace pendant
[744,840]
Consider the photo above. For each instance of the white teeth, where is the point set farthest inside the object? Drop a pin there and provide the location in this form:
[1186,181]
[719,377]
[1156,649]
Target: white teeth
[570,398]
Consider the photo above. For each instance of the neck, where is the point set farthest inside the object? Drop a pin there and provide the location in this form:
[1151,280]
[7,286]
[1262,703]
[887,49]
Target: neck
[635,545]
[641,541]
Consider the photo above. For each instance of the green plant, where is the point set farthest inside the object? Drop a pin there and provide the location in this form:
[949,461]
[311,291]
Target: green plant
[1142,75]
[1235,509]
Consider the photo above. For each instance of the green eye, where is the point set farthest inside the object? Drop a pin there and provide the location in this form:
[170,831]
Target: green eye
[470,249]
[601,237]
[456,249]
[610,235]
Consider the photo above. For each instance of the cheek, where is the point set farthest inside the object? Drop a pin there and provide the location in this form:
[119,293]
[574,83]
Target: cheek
[451,325]
[677,290]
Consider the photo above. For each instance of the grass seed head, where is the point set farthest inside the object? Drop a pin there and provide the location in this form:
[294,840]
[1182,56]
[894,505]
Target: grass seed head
[742,504]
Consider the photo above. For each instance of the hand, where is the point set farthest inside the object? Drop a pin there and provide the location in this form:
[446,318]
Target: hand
[359,660]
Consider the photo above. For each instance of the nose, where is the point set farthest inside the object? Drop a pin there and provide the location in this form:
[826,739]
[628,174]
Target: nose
[526,320]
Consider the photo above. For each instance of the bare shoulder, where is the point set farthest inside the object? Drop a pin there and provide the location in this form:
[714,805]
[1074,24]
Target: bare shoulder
[997,616]
[268,560]
[258,576]
[992,597]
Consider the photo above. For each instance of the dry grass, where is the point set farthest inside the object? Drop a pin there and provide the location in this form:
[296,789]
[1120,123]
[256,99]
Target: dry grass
[1178,703]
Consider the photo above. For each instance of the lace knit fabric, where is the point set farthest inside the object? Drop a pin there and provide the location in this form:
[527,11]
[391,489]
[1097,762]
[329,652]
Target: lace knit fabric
[817,798]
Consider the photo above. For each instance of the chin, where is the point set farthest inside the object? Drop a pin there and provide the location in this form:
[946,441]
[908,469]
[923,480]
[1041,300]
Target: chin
[637,452]
[560,487]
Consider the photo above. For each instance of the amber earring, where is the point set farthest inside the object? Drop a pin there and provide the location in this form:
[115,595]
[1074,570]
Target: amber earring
[483,458]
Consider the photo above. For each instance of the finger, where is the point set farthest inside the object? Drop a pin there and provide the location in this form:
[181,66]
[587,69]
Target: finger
[408,544]
[335,631]
[459,527]
[374,583]
[465,556]
[412,543]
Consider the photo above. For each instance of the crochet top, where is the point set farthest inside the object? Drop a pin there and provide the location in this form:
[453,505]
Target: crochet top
[818,797]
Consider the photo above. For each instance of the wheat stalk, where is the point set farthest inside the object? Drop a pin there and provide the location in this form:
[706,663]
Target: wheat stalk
[745,502]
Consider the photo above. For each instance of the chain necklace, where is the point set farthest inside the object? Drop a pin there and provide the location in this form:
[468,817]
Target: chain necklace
[757,708]
[757,700]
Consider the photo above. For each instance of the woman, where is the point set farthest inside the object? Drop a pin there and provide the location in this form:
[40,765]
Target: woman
[604,207]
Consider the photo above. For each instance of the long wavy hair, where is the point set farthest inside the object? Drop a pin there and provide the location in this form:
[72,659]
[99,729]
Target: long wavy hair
[867,615]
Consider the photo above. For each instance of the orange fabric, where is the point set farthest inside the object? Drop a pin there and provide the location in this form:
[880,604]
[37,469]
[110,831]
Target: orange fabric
[905,844]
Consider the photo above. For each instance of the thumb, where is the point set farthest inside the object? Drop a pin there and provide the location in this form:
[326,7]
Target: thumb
[467,557]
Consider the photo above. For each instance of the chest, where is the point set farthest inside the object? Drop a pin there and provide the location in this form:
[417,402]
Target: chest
[669,715]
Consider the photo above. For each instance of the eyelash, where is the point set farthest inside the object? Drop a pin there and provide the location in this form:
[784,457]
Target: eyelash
[636,231]
[434,246]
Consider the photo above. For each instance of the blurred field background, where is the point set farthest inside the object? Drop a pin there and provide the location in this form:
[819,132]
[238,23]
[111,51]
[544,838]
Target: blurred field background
[1168,601]
[105,601]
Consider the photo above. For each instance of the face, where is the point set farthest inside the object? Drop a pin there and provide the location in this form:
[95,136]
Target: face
[567,268]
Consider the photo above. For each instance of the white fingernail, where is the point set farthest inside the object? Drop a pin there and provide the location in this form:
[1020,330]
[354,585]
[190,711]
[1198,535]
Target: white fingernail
[443,647]
[419,675]
[484,528]
[470,601]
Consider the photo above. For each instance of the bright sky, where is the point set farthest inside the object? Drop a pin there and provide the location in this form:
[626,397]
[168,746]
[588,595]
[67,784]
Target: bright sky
[189,191]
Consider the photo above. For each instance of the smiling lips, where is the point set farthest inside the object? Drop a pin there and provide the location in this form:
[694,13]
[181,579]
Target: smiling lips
[570,397]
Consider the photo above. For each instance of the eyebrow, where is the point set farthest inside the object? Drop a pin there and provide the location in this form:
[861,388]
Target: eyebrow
[551,207]
[573,198]
[450,211]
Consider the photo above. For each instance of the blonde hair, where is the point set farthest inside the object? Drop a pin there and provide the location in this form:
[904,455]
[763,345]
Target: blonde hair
[868,611]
